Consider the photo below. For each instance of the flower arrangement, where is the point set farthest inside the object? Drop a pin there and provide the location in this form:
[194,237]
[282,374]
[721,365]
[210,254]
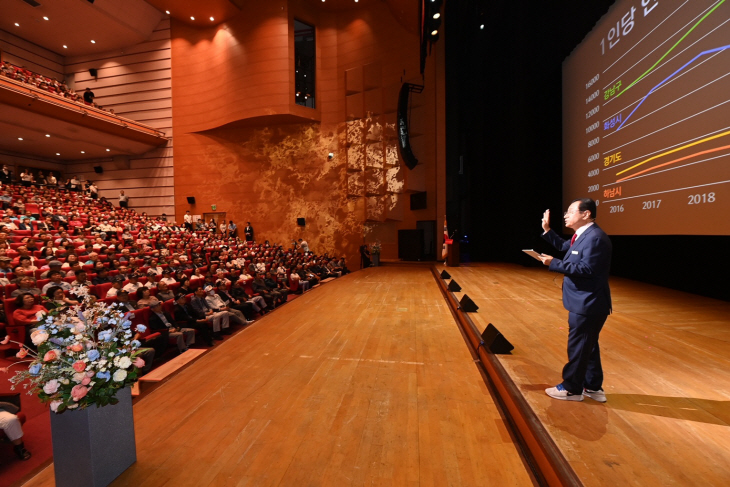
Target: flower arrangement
[85,353]
[375,248]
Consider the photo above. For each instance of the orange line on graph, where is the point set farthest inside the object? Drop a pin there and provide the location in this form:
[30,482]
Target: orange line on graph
[709,151]
[674,150]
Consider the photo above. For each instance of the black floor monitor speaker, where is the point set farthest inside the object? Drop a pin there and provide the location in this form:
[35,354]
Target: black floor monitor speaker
[467,305]
[445,275]
[191,200]
[495,341]
[454,286]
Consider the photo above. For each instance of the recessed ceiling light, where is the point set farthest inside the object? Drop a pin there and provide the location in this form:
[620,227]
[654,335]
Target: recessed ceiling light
[212,19]
[17,24]
[83,152]
[108,150]
[167,12]
[65,46]
[48,135]
[58,153]
[45,18]
[93,41]
[481,27]
[192,18]
[20,138]
[437,15]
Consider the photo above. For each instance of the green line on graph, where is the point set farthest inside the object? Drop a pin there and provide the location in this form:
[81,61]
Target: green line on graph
[671,48]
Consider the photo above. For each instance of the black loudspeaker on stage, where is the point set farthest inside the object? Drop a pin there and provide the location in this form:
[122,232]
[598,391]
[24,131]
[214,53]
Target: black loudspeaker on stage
[454,286]
[445,275]
[98,169]
[495,341]
[191,200]
[301,222]
[467,305]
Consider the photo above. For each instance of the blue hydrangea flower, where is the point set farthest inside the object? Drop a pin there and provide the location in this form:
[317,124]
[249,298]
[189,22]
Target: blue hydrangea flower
[92,354]
[35,369]
[105,335]
[104,375]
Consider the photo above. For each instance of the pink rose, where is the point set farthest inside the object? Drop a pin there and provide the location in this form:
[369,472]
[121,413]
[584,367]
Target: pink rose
[79,366]
[55,404]
[138,362]
[76,347]
[51,386]
[78,392]
[85,381]
[90,373]
[50,356]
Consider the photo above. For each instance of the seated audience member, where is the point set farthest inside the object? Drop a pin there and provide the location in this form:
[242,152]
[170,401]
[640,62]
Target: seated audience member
[166,277]
[144,298]
[276,286]
[123,299]
[133,285]
[187,317]
[303,285]
[102,276]
[10,424]
[217,304]
[163,292]
[259,287]
[27,285]
[219,319]
[248,309]
[27,310]
[116,287]
[5,267]
[56,280]
[56,298]
[81,280]
[53,265]
[160,320]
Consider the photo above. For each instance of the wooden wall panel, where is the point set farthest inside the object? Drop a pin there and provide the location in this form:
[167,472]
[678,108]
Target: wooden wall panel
[137,85]
[33,57]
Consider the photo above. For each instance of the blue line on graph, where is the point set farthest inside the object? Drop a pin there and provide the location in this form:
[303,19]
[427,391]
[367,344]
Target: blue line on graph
[668,78]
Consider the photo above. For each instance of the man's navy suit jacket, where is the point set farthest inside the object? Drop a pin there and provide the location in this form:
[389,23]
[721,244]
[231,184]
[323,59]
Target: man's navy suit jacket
[586,266]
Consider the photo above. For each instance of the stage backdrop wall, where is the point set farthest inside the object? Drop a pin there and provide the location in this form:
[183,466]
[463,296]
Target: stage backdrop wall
[243,144]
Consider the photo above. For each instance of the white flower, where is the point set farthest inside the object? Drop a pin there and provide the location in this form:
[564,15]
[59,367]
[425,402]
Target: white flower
[39,315]
[119,375]
[73,405]
[78,377]
[55,404]
[38,337]
[65,382]
[124,363]
[51,386]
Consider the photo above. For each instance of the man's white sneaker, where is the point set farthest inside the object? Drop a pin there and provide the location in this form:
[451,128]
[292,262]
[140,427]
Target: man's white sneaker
[598,395]
[559,392]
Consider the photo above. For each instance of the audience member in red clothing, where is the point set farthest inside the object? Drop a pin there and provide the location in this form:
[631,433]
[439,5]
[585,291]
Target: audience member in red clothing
[27,310]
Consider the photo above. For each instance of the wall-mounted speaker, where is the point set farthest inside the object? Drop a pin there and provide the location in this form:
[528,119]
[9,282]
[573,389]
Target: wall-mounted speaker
[93,72]
[495,341]
[467,305]
[191,200]
[300,222]
[454,286]
[445,275]
[419,201]
[98,169]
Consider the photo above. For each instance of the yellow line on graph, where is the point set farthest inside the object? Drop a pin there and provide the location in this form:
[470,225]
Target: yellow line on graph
[674,150]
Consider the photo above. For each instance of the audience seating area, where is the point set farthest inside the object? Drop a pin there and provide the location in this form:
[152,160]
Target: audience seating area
[109,243]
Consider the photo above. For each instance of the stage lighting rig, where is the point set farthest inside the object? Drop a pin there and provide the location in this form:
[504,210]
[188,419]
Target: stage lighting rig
[430,17]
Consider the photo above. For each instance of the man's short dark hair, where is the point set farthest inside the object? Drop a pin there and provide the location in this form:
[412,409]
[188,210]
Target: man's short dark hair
[586,204]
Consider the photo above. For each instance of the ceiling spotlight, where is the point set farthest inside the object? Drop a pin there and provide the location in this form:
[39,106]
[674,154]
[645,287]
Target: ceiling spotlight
[437,15]
[48,135]
[93,41]
[481,27]
[167,12]
[65,46]
[20,138]
[58,153]
[83,152]
[45,18]
[17,24]
[434,32]
[212,19]
[108,150]
[192,18]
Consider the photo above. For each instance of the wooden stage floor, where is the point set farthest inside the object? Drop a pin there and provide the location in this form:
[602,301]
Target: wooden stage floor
[666,359]
[364,381]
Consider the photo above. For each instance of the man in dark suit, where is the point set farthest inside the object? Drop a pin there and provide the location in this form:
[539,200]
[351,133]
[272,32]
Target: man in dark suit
[162,321]
[187,317]
[586,296]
